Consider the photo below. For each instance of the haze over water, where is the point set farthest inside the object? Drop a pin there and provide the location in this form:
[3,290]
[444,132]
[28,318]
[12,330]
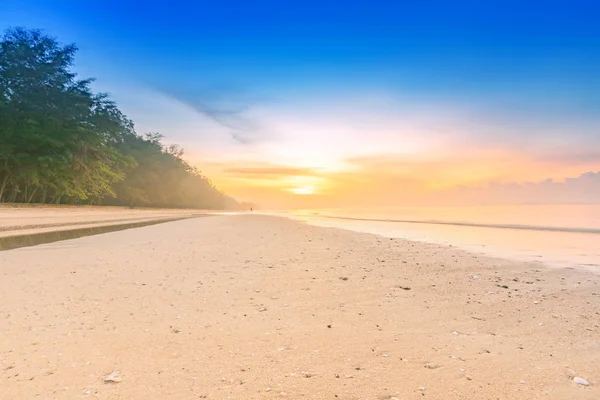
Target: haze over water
[555,235]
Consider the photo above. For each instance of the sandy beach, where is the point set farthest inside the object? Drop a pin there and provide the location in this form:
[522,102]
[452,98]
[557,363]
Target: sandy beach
[258,307]
[26,220]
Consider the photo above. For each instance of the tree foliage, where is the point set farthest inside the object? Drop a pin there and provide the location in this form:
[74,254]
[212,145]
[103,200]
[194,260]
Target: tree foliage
[62,143]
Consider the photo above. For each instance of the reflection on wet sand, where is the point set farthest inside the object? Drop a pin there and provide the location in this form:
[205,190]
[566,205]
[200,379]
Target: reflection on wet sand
[13,242]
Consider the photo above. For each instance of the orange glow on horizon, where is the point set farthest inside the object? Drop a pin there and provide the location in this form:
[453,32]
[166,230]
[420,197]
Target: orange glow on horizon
[383,179]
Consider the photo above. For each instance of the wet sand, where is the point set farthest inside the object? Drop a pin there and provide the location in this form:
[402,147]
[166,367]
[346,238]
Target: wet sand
[26,220]
[257,307]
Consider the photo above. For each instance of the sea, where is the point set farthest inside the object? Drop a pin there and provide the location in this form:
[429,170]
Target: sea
[554,235]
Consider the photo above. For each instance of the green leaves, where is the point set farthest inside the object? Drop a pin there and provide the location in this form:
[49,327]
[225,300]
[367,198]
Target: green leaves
[62,143]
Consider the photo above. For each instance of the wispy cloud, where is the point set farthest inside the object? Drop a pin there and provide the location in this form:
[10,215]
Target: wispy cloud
[229,106]
[270,171]
[573,156]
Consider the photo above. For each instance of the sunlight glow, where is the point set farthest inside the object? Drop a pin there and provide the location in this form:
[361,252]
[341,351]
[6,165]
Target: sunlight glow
[303,190]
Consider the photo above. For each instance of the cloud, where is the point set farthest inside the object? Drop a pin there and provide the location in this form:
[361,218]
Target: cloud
[572,157]
[241,128]
[228,106]
[582,189]
[270,171]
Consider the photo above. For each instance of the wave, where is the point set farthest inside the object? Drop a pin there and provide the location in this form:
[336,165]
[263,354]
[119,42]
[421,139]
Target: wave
[471,224]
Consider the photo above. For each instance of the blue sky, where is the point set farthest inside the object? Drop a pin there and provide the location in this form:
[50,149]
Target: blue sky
[240,81]
[424,47]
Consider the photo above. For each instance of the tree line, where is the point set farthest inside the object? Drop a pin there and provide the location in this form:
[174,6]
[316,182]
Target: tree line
[61,143]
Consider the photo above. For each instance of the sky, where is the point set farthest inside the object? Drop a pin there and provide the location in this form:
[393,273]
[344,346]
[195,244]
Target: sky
[317,104]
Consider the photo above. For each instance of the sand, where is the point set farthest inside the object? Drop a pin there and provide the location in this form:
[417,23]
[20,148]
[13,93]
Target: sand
[27,220]
[257,307]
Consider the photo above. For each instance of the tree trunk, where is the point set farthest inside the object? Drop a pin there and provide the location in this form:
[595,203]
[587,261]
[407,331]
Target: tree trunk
[3,187]
[33,192]
[14,194]
[44,195]
[5,179]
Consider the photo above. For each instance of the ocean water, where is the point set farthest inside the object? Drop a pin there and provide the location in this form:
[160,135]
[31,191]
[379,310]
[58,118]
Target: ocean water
[554,235]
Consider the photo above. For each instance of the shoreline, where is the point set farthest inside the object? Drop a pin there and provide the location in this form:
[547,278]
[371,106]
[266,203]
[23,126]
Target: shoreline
[474,225]
[546,248]
[253,306]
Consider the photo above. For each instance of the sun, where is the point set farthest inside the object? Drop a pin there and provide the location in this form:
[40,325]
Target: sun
[303,190]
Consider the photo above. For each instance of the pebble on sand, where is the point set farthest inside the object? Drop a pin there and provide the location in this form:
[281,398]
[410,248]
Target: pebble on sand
[581,381]
[113,377]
